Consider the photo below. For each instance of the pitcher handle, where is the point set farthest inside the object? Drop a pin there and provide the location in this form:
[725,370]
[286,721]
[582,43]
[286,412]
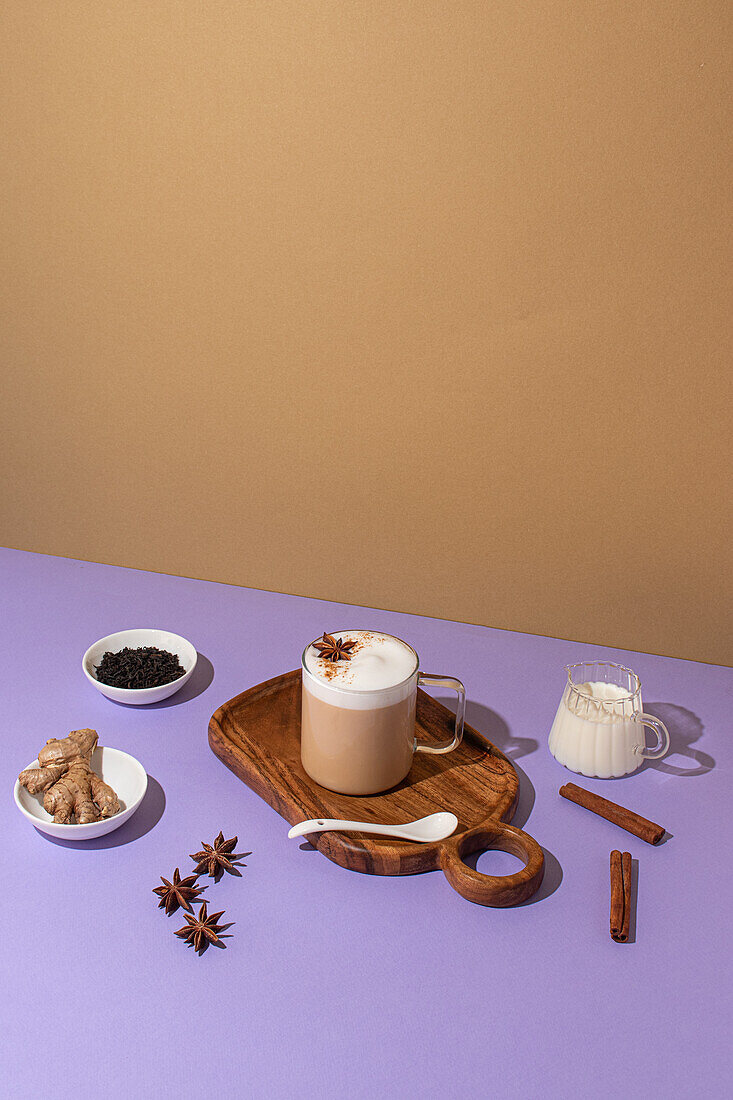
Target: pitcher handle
[454,685]
[656,724]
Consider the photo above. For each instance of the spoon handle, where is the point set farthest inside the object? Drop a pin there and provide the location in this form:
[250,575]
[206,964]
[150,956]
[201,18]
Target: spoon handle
[322,825]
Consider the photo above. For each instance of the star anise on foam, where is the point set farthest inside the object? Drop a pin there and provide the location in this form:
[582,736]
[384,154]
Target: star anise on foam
[216,858]
[201,930]
[334,649]
[179,893]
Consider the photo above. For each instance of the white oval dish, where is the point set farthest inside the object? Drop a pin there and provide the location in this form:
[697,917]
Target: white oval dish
[161,639]
[125,775]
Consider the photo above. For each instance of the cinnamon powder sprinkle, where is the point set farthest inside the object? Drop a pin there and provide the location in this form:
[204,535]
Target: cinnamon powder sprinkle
[335,670]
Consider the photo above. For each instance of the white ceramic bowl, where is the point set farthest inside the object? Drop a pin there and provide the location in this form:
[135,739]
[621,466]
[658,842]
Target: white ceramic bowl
[161,639]
[125,775]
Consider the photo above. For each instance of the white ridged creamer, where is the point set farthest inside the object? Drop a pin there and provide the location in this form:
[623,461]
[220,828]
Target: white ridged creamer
[595,731]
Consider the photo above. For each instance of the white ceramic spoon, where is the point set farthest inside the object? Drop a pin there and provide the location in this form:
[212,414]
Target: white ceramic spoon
[434,827]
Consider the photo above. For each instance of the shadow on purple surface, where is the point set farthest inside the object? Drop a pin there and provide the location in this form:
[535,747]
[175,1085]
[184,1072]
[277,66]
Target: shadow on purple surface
[684,729]
[493,726]
[202,678]
[553,870]
[148,815]
[526,797]
[632,900]
[551,881]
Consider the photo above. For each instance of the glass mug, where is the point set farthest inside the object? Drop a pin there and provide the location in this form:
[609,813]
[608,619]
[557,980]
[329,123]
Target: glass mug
[599,726]
[362,742]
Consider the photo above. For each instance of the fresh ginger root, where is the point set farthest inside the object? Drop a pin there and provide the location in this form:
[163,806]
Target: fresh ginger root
[71,787]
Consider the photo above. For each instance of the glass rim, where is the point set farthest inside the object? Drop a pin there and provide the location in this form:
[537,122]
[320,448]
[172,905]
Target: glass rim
[601,664]
[360,691]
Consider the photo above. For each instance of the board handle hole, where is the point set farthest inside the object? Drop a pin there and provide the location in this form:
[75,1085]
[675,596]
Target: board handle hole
[494,861]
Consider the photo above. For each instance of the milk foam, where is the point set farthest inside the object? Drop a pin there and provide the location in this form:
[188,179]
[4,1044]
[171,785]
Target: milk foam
[379,663]
[604,693]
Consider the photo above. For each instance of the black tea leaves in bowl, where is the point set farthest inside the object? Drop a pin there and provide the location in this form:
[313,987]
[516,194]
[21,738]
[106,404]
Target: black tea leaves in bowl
[144,667]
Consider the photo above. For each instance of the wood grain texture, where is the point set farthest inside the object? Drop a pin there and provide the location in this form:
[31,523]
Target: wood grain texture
[257,735]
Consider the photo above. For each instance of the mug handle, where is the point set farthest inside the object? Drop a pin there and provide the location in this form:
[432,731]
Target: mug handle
[423,678]
[661,731]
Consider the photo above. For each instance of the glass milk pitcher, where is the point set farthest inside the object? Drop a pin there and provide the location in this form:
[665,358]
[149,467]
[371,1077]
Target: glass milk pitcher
[599,726]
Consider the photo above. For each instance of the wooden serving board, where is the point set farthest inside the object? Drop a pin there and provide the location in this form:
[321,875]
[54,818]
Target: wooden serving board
[257,735]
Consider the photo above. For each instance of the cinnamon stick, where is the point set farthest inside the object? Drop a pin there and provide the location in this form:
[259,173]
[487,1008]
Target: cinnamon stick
[620,895]
[618,815]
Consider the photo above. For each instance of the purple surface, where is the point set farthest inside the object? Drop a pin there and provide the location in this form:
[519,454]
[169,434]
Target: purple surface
[336,984]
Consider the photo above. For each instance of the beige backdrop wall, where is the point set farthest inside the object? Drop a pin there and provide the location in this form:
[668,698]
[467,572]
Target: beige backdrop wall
[417,305]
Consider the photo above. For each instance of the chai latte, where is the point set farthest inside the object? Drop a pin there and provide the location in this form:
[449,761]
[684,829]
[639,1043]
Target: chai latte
[358,717]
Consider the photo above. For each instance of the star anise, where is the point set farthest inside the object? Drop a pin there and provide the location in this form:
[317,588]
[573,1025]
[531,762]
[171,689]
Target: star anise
[217,858]
[179,893]
[201,930]
[334,649]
